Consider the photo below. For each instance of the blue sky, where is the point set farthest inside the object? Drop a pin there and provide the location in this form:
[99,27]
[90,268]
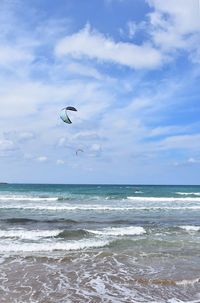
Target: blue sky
[132,70]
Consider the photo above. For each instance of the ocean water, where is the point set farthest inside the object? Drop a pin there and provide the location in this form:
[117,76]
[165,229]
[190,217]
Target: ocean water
[99,243]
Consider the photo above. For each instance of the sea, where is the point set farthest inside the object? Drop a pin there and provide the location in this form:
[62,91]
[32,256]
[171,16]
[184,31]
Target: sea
[99,243]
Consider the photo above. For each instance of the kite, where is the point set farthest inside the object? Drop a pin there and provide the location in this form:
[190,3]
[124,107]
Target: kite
[64,116]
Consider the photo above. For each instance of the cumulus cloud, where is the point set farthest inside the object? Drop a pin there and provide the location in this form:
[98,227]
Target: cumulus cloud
[93,44]
[175,25]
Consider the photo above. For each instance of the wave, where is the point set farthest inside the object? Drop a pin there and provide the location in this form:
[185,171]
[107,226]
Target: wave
[180,301]
[52,246]
[111,198]
[96,208]
[190,227]
[24,198]
[133,198]
[29,234]
[27,220]
[120,231]
[71,234]
[20,220]
[186,194]
[162,199]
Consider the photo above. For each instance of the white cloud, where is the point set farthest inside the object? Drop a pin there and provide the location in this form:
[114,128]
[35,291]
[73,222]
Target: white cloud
[185,162]
[83,70]
[6,145]
[28,156]
[95,45]
[132,28]
[184,142]
[183,14]
[95,147]
[61,141]
[192,160]
[175,24]
[60,162]
[10,55]
[26,135]
[42,159]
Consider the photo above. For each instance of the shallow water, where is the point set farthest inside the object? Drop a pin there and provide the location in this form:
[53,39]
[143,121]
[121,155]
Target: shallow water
[99,243]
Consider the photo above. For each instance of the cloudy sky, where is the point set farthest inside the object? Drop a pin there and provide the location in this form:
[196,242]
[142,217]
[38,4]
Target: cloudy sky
[132,70]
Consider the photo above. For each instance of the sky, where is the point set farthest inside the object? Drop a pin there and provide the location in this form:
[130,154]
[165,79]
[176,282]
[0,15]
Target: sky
[132,70]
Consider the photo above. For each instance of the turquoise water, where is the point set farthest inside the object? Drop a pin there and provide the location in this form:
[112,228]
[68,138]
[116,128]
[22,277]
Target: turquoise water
[99,243]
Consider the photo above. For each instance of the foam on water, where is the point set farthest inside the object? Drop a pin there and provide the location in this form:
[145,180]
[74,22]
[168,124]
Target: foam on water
[120,231]
[187,282]
[27,198]
[184,282]
[29,234]
[180,301]
[190,228]
[133,198]
[53,246]
[163,199]
[187,194]
[96,208]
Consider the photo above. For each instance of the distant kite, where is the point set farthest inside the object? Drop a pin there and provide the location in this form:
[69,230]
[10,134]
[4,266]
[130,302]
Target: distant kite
[64,116]
[79,150]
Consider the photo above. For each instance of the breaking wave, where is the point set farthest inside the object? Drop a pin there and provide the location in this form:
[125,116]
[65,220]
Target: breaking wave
[96,208]
[187,194]
[162,199]
[24,198]
[190,228]
[52,246]
[120,231]
[28,234]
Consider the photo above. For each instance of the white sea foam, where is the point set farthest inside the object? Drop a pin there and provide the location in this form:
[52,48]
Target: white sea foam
[187,282]
[96,208]
[186,194]
[28,234]
[163,199]
[190,227]
[53,246]
[120,231]
[180,301]
[133,198]
[24,198]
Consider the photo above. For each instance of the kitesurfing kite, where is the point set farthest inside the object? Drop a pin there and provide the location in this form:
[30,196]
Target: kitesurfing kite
[63,113]
[79,150]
